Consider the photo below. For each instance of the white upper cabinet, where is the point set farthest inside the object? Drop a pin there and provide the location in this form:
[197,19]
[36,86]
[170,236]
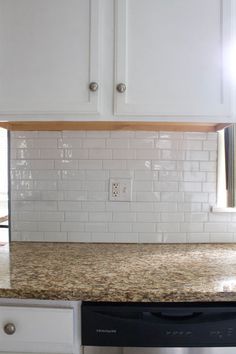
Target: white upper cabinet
[173,57]
[49,55]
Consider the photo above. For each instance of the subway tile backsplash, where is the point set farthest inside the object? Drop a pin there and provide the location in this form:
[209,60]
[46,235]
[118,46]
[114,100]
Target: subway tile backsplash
[60,184]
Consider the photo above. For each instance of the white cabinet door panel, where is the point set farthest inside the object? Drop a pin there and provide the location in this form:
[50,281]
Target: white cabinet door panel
[37,329]
[171,54]
[49,53]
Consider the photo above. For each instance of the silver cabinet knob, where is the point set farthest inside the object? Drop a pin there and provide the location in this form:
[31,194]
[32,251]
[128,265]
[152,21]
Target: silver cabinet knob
[93,86]
[9,328]
[121,87]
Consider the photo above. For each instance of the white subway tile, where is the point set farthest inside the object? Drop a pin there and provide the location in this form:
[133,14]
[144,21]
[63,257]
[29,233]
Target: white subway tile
[90,164]
[195,136]
[143,186]
[146,175]
[148,154]
[139,164]
[171,135]
[69,205]
[96,227]
[148,217]
[51,216]
[98,196]
[69,143]
[74,134]
[194,176]
[209,187]
[120,227]
[82,154]
[122,134]
[55,236]
[66,164]
[190,186]
[94,143]
[124,217]
[221,237]
[198,237]
[172,196]
[100,154]
[23,134]
[208,166]
[146,134]
[172,155]
[48,226]
[51,153]
[76,216]
[141,206]
[197,155]
[172,217]
[144,227]
[129,237]
[146,196]
[75,195]
[164,165]
[72,226]
[97,134]
[145,237]
[117,143]
[49,134]
[195,197]
[215,227]
[100,216]
[79,236]
[187,165]
[69,185]
[45,185]
[94,206]
[142,143]
[165,207]
[45,143]
[126,154]
[170,176]
[52,195]
[168,227]
[114,164]
[33,236]
[74,174]
[121,174]
[103,237]
[165,186]
[192,227]
[178,237]
[210,145]
[27,153]
[195,217]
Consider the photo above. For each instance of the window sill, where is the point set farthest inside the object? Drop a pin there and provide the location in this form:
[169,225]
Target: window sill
[217,209]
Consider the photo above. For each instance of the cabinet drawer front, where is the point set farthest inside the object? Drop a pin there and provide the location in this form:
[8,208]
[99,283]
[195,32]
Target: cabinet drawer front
[46,326]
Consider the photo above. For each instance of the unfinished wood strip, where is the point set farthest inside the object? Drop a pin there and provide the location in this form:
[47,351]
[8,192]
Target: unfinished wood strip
[110,125]
[3,218]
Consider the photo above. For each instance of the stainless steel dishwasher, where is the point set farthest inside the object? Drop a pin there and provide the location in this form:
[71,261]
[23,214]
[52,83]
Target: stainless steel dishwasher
[159,328]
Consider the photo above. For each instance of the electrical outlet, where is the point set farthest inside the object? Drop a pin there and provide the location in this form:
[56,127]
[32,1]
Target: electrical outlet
[120,190]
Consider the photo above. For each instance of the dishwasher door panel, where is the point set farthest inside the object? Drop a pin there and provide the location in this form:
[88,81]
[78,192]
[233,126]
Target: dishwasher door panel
[116,350]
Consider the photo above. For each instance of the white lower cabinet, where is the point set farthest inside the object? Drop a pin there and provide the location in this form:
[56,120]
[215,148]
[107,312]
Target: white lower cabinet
[36,329]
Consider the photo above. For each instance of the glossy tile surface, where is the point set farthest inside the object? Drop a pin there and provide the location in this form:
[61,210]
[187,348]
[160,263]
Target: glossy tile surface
[119,272]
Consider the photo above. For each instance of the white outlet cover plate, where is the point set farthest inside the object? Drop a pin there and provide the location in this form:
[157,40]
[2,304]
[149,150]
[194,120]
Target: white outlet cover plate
[120,190]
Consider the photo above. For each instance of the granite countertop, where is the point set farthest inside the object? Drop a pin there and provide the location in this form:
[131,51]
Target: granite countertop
[119,272]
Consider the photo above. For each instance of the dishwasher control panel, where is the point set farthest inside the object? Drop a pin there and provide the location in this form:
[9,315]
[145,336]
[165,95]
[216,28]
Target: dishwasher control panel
[158,325]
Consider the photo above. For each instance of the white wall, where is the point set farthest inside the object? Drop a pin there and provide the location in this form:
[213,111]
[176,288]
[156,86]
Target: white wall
[3,173]
[60,187]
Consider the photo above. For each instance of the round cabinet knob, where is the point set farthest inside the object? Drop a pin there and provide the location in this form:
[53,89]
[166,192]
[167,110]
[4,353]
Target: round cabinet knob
[93,86]
[9,328]
[121,88]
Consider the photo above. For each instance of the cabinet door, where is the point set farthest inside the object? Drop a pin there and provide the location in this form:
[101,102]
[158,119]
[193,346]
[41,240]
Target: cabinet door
[48,57]
[172,56]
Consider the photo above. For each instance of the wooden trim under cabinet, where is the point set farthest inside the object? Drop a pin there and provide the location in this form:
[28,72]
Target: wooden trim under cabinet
[107,125]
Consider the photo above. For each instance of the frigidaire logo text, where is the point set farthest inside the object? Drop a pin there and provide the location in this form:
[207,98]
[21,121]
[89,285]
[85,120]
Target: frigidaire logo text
[107,331]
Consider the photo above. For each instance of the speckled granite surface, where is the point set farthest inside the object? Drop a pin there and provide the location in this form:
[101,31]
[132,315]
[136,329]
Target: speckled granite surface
[116,272]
